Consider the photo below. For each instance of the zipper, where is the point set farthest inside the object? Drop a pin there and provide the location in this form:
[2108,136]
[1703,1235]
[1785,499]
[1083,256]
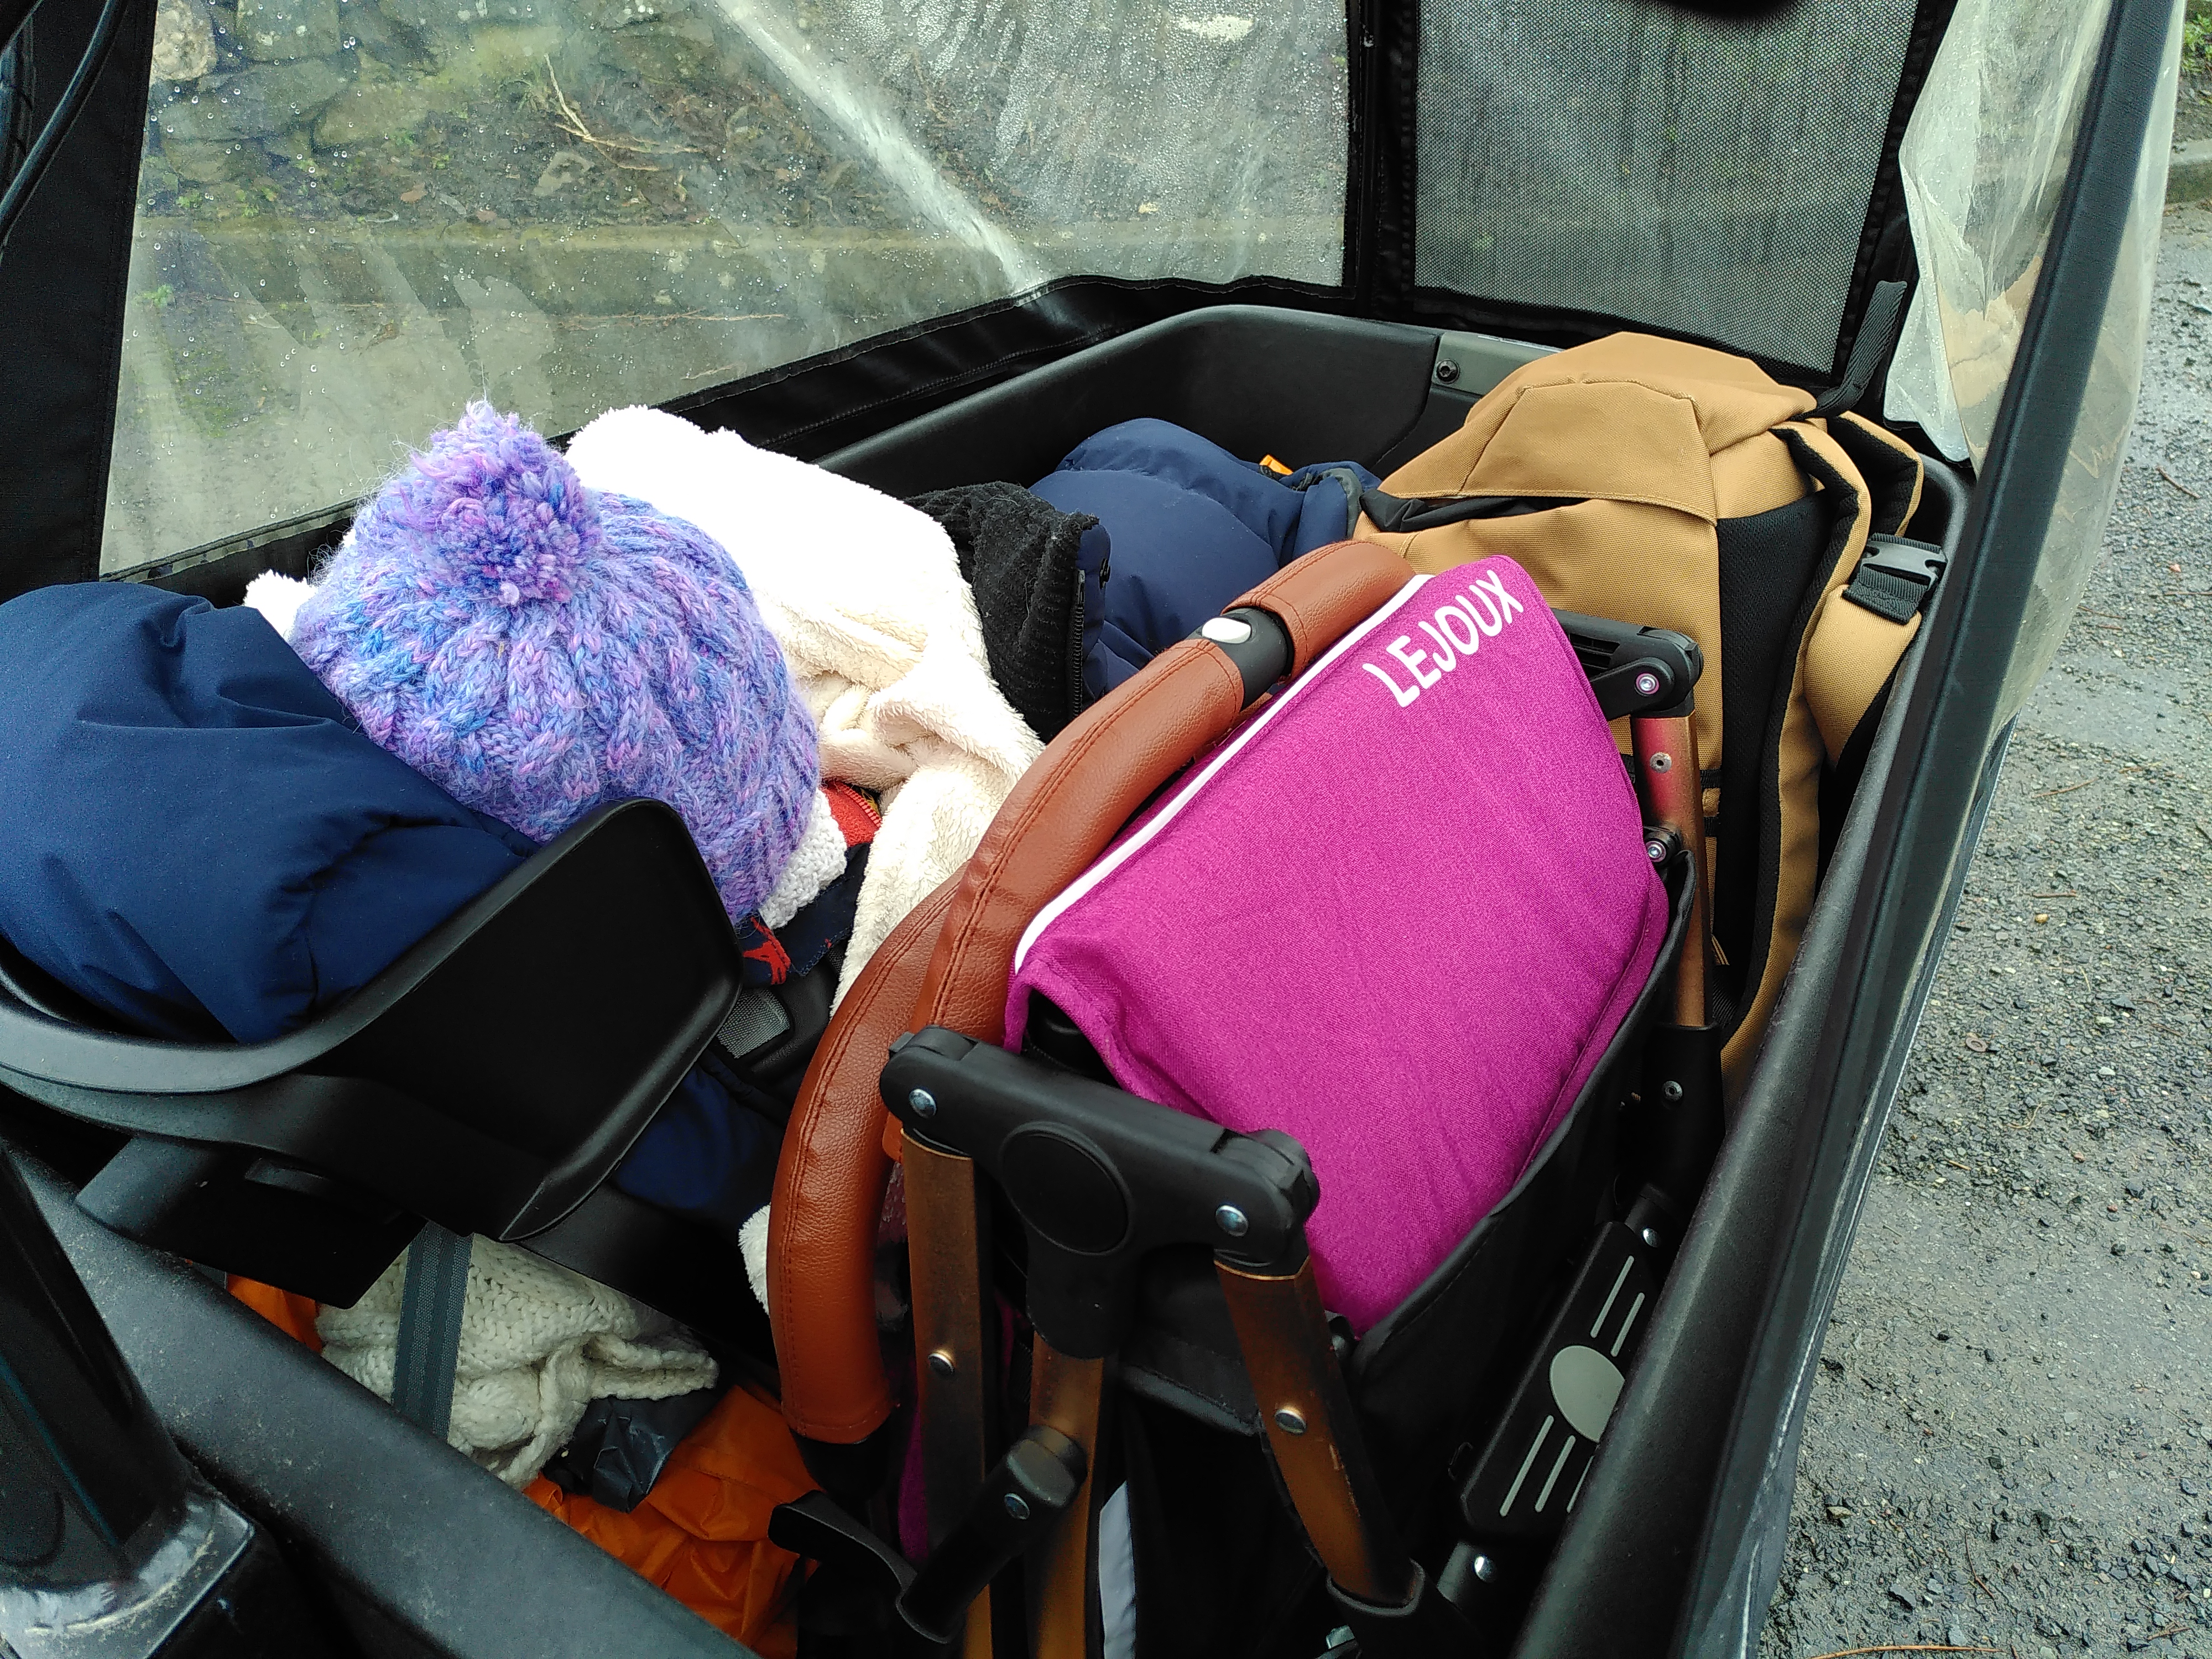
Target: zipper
[1075,698]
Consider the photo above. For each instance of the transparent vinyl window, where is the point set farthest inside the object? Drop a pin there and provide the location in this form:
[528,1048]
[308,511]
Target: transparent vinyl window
[2074,539]
[1706,175]
[356,214]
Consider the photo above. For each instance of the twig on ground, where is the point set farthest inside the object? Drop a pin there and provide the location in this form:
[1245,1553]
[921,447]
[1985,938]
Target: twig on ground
[2068,790]
[2177,484]
[1909,1647]
[573,124]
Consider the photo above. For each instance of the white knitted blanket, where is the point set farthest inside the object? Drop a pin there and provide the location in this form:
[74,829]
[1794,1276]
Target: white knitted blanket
[538,1344]
[863,594]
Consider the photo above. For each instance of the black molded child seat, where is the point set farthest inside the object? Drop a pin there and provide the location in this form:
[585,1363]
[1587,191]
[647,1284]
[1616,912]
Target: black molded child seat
[489,1080]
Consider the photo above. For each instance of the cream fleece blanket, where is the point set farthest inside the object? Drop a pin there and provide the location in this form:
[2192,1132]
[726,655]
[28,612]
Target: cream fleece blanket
[865,595]
[538,1344]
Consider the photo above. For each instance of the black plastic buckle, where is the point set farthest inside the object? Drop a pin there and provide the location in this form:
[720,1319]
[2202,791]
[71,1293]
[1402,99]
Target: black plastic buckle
[1895,577]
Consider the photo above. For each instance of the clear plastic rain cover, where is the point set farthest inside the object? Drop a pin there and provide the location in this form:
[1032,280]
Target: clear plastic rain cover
[1985,159]
[356,214]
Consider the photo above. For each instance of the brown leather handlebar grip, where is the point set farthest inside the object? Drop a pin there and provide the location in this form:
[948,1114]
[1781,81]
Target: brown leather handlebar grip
[829,1183]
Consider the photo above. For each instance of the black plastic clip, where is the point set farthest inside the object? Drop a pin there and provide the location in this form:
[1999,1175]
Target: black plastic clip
[1895,577]
[858,1578]
[1029,1490]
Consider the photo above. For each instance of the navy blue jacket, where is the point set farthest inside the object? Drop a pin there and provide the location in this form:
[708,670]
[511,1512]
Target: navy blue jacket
[1189,527]
[196,838]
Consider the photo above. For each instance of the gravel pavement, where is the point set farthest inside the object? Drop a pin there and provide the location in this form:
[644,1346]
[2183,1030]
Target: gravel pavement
[2009,1446]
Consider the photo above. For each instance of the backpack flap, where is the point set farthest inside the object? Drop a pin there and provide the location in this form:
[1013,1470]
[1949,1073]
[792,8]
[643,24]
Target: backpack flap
[1682,488]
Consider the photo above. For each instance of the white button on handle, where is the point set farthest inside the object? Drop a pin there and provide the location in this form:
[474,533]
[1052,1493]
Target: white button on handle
[1225,630]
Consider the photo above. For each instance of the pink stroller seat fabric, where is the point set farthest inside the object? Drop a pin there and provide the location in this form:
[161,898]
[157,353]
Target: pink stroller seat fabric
[1398,914]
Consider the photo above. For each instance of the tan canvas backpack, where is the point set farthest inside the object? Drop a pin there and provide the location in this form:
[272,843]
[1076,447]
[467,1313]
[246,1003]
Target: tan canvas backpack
[1670,485]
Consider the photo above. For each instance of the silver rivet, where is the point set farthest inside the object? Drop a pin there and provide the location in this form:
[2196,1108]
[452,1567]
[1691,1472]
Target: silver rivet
[1647,684]
[1017,1506]
[1662,762]
[1651,1236]
[1225,630]
[1290,1422]
[923,1102]
[1232,1220]
[1485,1568]
[1672,1089]
[1656,851]
[940,1363]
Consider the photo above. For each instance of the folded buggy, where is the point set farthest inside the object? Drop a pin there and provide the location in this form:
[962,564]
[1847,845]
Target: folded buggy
[1510,1118]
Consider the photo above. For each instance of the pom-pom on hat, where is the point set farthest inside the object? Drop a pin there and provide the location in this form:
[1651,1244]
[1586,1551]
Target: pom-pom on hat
[540,648]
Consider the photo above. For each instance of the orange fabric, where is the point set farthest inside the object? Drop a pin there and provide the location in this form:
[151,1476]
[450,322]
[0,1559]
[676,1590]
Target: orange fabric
[858,820]
[293,1314]
[701,1533]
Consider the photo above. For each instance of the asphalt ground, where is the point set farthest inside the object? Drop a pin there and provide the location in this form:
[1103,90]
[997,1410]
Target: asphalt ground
[2009,1445]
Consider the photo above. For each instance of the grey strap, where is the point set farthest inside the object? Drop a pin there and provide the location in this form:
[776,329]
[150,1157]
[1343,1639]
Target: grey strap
[430,1306]
[1878,331]
[755,1019]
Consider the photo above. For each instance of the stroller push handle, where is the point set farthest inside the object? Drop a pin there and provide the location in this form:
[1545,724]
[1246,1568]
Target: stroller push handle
[1100,1178]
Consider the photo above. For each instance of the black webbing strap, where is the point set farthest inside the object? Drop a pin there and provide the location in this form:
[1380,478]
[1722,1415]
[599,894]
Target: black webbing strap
[1895,577]
[1885,315]
[430,1305]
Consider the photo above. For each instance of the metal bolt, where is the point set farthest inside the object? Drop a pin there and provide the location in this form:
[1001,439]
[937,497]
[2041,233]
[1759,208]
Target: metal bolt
[940,1363]
[923,1102]
[1485,1568]
[1289,1421]
[1651,1236]
[1656,851]
[1447,370]
[1017,1506]
[1672,1089]
[1662,762]
[1647,684]
[1232,1220]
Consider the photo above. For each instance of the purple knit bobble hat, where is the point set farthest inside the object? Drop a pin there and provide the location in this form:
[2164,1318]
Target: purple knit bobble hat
[540,648]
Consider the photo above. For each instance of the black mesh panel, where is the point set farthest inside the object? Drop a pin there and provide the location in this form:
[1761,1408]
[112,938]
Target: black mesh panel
[1707,178]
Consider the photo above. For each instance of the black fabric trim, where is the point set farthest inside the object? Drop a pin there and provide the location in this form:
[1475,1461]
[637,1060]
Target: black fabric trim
[809,408]
[62,282]
[1383,276]
[1840,782]
[1842,502]
[1363,108]
[1767,561]
[1558,325]
[1891,477]
[1884,244]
